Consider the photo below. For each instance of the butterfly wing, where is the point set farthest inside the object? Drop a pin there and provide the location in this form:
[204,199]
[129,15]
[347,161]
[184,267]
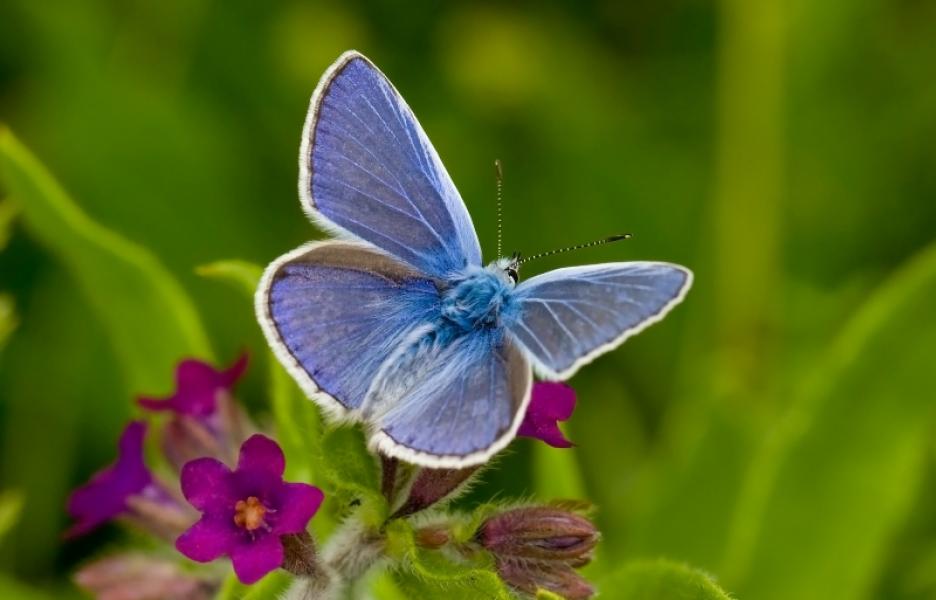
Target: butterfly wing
[367,168]
[334,311]
[567,317]
[463,402]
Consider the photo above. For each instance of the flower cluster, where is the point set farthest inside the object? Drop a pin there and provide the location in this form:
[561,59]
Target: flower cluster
[245,512]
[216,489]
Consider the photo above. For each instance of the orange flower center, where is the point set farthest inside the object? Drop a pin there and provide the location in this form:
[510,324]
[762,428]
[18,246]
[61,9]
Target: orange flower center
[249,513]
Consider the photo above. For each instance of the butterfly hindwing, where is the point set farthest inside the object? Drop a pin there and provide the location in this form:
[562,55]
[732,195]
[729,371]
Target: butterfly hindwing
[569,316]
[456,404]
[334,311]
[368,168]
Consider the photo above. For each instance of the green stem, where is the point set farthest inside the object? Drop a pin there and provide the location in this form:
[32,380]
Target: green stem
[749,189]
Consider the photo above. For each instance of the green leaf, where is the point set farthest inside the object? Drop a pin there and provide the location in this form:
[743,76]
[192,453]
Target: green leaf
[150,319]
[659,580]
[243,274]
[826,496]
[547,595]
[8,213]
[431,574]
[353,476]
[14,590]
[349,459]
[11,503]
[385,587]
[8,321]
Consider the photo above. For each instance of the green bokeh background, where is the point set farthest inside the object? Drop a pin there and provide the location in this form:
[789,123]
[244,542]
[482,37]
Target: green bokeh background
[777,430]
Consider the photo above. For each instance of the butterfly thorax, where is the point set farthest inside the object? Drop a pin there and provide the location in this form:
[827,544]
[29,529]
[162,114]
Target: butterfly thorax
[478,299]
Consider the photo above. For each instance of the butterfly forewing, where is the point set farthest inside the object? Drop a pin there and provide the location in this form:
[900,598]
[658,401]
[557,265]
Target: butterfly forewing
[368,168]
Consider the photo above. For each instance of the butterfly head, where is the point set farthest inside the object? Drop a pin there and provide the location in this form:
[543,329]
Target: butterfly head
[509,266]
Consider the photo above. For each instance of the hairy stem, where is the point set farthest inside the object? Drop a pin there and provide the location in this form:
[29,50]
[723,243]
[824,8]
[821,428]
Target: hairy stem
[345,559]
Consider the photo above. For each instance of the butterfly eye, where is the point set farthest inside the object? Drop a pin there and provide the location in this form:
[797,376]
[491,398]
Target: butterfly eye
[512,273]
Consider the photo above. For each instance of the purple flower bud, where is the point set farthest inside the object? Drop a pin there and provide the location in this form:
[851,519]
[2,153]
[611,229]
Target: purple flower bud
[140,577]
[433,537]
[432,486]
[549,403]
[538,547]
[540,533]
[245,511]
[561,579]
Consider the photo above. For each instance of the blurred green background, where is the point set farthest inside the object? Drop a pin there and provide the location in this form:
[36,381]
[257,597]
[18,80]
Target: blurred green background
[777,430]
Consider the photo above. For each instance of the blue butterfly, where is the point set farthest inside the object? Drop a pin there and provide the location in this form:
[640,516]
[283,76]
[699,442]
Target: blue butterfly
[397,323]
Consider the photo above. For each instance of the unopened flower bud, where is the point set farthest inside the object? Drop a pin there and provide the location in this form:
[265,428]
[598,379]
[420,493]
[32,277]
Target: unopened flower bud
[540,533]
[561,580]
[300,556]
[140,577]
[432,486]
[432,537]
[538,547]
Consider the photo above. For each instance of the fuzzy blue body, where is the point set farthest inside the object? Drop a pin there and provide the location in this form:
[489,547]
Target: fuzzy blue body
[480,299]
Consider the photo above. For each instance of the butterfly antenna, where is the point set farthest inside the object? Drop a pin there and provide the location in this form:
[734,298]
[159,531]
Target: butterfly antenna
[601,242]
[500,208]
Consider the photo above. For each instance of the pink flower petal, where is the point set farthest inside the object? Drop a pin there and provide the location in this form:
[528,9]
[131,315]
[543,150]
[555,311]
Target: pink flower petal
[105,495]
[260,453]
[205,484]
[208,539]
[230,376]
[197,386]
[547,432]
[550,402]
[252,560]
[193,373]
[298,504]
[554,399]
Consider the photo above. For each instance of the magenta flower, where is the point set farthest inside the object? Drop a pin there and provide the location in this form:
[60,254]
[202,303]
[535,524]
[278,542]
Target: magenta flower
[245,511]
[550,403]
[197,387]
[106,493]
[205,419]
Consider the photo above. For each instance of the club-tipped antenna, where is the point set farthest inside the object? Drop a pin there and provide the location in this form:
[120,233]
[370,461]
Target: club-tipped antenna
[499,172]
[601,242]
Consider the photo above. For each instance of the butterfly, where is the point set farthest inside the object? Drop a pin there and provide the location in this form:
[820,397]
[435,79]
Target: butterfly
[397,323]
